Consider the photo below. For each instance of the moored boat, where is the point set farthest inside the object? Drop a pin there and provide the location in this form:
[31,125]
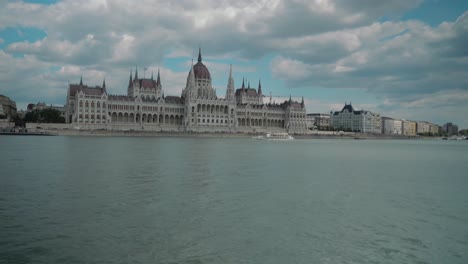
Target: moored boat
[275,136]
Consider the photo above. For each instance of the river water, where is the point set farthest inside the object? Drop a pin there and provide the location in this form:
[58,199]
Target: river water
[232,200]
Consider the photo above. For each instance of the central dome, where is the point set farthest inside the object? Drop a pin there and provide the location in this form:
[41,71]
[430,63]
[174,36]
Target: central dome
[200,70]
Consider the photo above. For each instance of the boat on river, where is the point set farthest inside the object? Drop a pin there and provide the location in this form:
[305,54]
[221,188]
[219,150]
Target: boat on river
[275,136]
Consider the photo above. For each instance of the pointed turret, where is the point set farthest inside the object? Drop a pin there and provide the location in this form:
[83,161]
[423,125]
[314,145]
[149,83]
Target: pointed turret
[199,55]
[190,88]
[158,79]
[130,80]
[152,75]
[230,87]
[290,100]
[136,73]
[248,87]
[104,85]
[81,80]
[302,102]
[259,87]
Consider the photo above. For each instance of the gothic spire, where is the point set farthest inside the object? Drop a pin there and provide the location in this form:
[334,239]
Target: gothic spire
[104,83]
[248,87]
[152,75]
[230,87]
[158,79]
[130,80]
[136,72]
[259,87]
[199,55]
[81,80]
[243,84]
[302,102]
[290,100]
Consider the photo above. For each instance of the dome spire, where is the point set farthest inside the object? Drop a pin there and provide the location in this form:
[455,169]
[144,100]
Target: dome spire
[199,55]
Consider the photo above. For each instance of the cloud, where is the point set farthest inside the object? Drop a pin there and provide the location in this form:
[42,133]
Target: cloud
[313,43]
[413,59]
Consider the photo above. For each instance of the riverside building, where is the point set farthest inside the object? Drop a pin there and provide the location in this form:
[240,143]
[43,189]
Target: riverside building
[408,128]
[349,119]
[197,109]
[391,126]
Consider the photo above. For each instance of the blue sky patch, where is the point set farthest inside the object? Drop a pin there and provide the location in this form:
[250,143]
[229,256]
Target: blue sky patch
[43,2]
[20,34]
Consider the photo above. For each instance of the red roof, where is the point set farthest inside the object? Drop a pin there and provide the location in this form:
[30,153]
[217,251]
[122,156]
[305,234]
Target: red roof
[201,72]
[74,88]
[147,83]
[250,91]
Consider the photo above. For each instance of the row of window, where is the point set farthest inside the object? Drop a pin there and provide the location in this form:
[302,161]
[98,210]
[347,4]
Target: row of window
[146,108]
[212,109]
[87,104]
[213,121]
[92,116]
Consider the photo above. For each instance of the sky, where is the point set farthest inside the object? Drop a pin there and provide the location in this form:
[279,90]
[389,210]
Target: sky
[401,58]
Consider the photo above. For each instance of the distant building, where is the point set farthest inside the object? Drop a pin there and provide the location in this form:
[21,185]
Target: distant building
[391,126]
[408,128]
[422,127]
[434,129]
[358,121]
[197,109]
[450,129]
[318,120]
[8,107]
[42,106]
[310,121]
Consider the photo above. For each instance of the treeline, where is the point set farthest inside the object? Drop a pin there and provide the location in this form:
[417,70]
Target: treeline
[46,115]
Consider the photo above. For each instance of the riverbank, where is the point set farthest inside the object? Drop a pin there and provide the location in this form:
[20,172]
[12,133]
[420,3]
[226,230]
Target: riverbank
[315,135]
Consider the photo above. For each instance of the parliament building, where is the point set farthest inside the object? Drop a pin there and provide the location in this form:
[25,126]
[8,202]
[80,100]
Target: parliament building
[197,109]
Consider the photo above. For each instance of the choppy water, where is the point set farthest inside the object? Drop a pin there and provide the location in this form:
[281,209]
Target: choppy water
[208,200]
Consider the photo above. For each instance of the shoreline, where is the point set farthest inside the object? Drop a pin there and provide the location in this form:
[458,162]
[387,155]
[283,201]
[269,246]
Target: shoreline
[117,133]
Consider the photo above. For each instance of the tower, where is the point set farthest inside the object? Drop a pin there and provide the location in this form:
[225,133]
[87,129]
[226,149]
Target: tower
[230,86]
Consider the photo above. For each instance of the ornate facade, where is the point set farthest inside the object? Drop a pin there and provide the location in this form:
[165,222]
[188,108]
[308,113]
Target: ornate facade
[356,121]
[198,109]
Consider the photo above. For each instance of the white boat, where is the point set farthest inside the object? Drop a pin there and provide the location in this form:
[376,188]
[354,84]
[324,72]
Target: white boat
[275,136]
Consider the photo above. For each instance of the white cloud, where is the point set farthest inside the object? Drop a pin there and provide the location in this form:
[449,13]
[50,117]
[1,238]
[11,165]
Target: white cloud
[319,43]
